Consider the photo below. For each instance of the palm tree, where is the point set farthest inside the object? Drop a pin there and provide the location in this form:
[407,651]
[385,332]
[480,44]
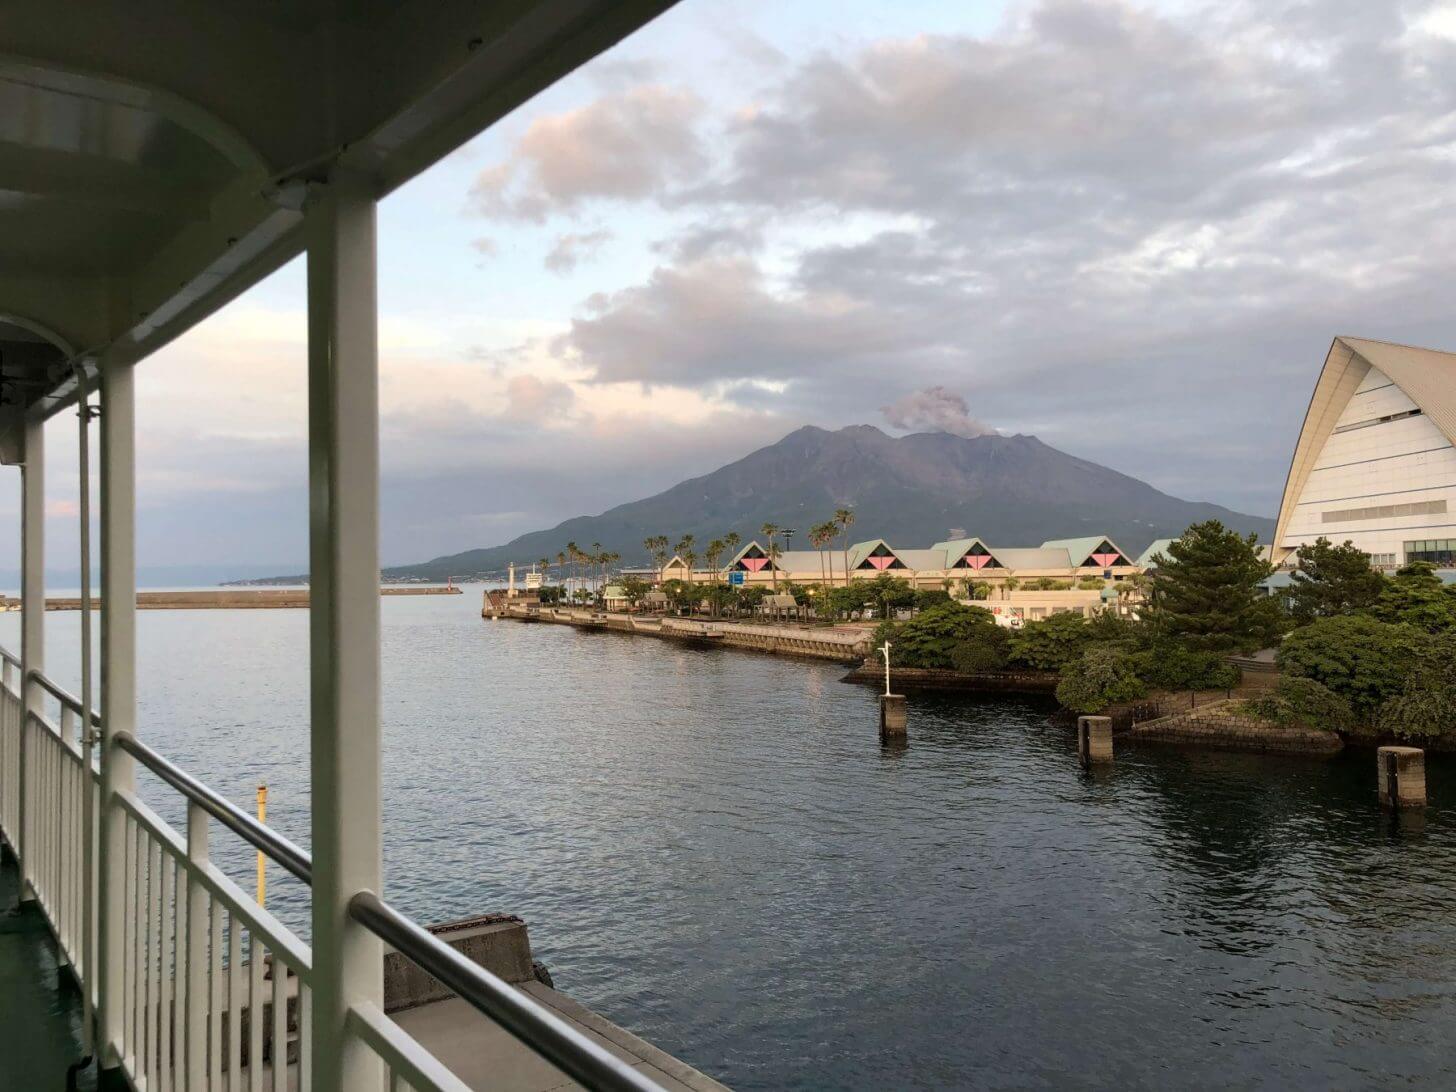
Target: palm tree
[844,517]
[768,530]
[595,558]
[657,549]
[713,552]
[683,549]
[573,552]
[561,567]
[690,558]
[821,534]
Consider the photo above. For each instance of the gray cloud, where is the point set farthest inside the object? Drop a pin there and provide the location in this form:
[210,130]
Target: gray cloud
[571,249]
[934,409]
[1134,233]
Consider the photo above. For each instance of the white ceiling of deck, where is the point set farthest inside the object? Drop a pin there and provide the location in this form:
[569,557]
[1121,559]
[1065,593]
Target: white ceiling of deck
[154,155]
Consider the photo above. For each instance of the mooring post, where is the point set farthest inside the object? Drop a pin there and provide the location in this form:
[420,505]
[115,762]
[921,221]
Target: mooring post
[1094,740]
[1401,775]
[892,706]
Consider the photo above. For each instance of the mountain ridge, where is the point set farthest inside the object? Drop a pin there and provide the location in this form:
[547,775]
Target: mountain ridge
[1010,490]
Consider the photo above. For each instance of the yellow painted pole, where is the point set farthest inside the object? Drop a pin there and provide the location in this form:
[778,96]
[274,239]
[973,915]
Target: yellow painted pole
[262,861]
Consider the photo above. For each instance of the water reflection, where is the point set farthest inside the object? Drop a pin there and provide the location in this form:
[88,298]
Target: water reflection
[716,850]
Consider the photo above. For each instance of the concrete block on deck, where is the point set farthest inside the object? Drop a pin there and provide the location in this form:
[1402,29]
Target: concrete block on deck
[498,942]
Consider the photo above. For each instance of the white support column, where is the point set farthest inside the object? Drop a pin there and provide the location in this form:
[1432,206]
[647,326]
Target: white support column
[343,427]
[32,625]
[118,687]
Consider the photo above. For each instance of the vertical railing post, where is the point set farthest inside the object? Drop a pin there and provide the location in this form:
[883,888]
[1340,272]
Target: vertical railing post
[32,631]
[343,427]
[118,689]
[199,974]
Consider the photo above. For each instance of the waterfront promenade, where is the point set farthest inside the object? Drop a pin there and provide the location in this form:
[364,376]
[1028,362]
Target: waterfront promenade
[841,644]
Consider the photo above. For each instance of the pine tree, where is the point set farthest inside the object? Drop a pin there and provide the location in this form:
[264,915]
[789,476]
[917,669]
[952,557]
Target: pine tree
[1332,580]
[1206,592]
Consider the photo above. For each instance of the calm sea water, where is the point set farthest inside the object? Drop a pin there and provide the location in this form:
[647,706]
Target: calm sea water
[713,849]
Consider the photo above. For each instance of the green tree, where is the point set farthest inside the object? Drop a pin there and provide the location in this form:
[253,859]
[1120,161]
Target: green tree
[635,589]
[1332,580]
[1206,591]
[1364,661]
[1101,676]
[843,602]
[1049,644]
[889,593]
[751,598]
[1416,596]
[929,597]
[932,637]
[1425,708]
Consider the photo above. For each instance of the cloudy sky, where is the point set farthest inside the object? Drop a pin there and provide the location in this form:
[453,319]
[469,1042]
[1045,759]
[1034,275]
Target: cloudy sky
[1130,229]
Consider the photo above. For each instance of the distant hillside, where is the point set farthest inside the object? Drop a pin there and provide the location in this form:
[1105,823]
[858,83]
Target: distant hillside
[1009,490]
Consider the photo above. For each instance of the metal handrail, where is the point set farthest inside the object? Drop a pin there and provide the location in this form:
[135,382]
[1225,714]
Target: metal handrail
[61,694]
[529,1021]
[279,848]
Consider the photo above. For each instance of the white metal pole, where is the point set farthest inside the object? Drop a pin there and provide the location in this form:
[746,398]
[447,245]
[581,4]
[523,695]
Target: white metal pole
[343,426]
[88,818]
[32,628]
[118,688]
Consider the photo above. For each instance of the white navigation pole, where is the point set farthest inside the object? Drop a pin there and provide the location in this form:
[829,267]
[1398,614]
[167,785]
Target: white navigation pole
[885,649]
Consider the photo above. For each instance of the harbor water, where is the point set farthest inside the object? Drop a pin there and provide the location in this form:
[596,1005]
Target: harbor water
[712,849]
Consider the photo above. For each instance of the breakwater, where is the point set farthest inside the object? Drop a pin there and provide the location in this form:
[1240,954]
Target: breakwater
[842,646]
[227,598]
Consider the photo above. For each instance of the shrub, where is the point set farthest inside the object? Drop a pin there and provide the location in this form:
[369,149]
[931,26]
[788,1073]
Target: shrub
[931,638]
[1364,661]
[1302,701]
[1051,643]
[1091,583]
[986,651]
[1101,676]
[929,597]
[1169,665]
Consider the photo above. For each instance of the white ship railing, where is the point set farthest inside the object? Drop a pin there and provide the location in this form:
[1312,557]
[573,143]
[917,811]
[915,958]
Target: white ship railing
[216,993]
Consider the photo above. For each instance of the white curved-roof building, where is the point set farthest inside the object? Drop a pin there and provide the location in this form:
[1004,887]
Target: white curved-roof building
[1376,459]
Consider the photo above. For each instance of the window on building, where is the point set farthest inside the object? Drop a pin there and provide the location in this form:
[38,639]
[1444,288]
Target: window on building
[1379,420]
[1438,551]
[1386,511]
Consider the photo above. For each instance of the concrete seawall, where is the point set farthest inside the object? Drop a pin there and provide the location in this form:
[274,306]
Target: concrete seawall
[827,644]
[872,671]
[1221,725]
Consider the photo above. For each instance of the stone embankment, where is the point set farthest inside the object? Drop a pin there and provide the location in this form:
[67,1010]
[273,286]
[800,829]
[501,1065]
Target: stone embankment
[991,682]
[1222,725]
[819,644]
